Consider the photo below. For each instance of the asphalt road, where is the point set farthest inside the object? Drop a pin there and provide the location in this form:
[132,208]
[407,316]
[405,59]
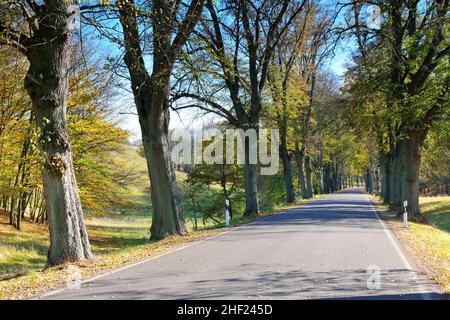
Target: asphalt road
[321,250]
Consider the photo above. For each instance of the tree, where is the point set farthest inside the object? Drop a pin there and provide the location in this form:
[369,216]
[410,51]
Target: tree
[16,131]
[435,167]
[227,176]
[412,38]
[44,36]
[99,146]
[319,48]
[239,51]
[151,98]
[288,90]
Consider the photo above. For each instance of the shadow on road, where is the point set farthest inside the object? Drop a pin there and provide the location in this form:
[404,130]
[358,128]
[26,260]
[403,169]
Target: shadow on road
[294,284]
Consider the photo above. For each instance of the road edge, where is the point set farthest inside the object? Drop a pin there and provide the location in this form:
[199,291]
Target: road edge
[398,247]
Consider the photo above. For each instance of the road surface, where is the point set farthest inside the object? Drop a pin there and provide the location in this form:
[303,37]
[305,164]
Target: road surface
[332,247]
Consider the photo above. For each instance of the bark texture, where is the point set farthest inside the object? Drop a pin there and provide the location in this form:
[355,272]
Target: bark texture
[300,160]
[410,176]
[48,52]
[308,176]
[150,96]
[251,190]
[287,170]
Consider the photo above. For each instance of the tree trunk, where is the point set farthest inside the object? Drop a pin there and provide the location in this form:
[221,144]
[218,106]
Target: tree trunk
[251,192]
[287,169]
[328,180]
[370,181]
[336,179]
[385,177]
[287,172]
[320,169]
[320,174]
[167,218]
[320,179]
[397,171]
[410,179]
[250,182]
[308,176]
[150,96]
[12,210]
[300,159]
[47,84]
[251,187]
[377,180]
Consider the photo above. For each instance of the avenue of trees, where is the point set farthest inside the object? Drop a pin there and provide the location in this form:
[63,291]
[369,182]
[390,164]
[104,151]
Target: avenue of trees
[399,90]
[251,64]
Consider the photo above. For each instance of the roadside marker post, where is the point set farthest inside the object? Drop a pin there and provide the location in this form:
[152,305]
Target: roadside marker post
[405,214]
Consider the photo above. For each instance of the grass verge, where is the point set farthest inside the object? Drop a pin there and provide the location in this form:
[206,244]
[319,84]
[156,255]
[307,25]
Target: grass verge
[428,244]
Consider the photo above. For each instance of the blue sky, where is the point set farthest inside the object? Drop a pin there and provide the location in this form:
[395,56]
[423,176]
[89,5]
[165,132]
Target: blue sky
[189,118]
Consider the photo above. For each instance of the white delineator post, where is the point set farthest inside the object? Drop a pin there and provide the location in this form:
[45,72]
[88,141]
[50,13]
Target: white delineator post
[227,212]
[405,214]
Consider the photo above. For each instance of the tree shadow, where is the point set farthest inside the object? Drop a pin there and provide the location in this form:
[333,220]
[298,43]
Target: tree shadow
[396,284]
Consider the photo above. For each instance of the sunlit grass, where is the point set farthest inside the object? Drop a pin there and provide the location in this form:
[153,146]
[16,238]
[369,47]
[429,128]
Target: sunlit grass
[437,211]
[23,250]
[430,243]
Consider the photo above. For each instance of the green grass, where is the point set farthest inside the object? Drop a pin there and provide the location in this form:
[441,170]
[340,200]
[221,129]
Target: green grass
[430,243]
[437,211]
[21,251]
[117,233]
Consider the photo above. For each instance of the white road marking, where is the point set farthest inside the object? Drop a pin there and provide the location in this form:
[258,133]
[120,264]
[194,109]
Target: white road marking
[395,245]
